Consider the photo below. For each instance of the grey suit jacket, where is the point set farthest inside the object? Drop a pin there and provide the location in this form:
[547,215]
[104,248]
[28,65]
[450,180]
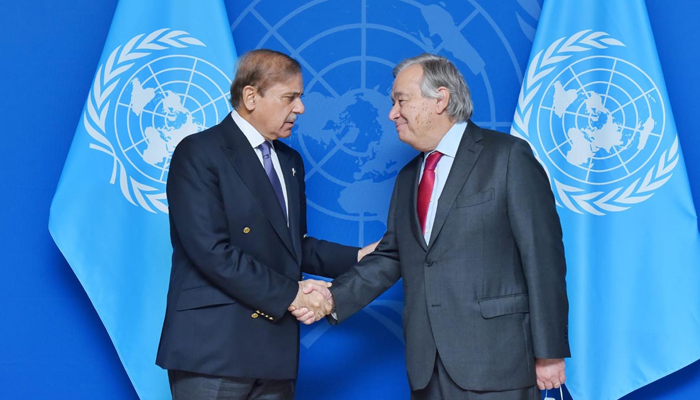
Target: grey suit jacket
[488,293]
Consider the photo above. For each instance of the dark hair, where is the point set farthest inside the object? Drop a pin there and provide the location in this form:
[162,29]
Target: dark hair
[261,69]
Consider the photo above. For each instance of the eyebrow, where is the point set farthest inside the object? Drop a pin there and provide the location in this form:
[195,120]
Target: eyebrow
[294,93]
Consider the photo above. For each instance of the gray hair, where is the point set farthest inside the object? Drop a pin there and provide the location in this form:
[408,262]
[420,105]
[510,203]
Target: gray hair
[440,72]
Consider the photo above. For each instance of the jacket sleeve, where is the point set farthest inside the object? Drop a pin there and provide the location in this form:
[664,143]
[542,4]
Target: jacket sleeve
[371,277]
[198,216]
[320,257]
[538,234]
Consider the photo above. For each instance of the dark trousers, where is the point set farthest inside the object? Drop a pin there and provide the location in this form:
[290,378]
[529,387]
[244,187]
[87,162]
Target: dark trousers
[442,387]
[193,386]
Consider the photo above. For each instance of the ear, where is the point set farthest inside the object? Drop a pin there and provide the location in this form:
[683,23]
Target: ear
[443,101]
[248,97]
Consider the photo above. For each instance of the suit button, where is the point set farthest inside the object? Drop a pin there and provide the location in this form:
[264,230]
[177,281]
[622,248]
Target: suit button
[255,315]
[428,263]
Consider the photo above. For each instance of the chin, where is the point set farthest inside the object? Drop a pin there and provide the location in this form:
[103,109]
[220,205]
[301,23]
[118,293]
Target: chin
[284,134]
[405,137]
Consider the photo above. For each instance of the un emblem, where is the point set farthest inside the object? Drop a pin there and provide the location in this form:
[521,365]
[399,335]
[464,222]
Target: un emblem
[350,148]
[598,121]
[143,104]
[347,50]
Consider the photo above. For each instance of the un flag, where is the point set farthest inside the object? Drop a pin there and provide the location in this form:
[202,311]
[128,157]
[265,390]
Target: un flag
[595,110]
[164,74]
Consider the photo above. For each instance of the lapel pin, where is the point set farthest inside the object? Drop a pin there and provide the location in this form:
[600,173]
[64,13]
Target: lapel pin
[294,172]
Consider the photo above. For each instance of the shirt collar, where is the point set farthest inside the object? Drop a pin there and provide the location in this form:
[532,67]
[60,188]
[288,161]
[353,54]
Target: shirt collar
[252,134]
[450,142]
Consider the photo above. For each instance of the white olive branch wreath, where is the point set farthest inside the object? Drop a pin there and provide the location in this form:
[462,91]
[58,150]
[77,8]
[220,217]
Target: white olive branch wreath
[573,198]
[106,80]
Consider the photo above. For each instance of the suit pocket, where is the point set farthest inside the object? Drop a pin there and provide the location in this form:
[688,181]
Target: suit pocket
[203,296]
[497,306]
[476,198]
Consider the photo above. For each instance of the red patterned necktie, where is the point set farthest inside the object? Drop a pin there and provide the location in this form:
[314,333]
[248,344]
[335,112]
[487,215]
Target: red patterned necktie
[425,188]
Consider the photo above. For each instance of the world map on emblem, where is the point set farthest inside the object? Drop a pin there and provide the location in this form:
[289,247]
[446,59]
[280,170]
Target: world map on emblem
[351,151]
[600,120]
[163,102]
[177,122]
[349,145]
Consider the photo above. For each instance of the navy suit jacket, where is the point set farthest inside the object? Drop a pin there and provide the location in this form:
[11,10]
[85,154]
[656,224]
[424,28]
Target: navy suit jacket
[236,263]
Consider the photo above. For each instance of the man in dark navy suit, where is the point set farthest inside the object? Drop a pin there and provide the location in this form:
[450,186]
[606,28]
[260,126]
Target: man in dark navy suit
[238,230]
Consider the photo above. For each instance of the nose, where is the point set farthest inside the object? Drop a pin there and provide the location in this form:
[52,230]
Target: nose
[299,107]
[394,113]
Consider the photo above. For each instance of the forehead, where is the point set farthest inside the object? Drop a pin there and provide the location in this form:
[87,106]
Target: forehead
[408,80]
[294,83]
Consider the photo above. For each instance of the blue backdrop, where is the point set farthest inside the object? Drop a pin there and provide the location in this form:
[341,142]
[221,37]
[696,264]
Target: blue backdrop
[54,345]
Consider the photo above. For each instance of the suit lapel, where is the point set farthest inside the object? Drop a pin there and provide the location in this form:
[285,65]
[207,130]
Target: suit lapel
[465,159]
[412,178]
[288,171]
[246,163]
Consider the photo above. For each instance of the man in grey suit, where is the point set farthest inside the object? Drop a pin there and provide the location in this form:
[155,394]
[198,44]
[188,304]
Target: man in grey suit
[473,231]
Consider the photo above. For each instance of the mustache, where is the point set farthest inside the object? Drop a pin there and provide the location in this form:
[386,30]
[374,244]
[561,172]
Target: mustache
[291,118]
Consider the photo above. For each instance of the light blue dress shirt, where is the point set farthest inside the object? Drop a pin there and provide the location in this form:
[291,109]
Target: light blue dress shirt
[448,147]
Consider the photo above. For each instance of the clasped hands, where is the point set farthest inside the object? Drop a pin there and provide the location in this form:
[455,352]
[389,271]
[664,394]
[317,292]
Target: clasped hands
[313,301]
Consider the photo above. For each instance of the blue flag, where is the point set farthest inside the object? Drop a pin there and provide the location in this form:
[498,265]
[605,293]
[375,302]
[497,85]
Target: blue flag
[164,73]
[595,110]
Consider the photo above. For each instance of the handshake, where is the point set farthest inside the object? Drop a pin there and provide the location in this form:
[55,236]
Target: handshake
[313,301]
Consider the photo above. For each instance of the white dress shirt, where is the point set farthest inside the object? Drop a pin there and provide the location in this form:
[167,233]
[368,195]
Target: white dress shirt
[256,139]
[448,147]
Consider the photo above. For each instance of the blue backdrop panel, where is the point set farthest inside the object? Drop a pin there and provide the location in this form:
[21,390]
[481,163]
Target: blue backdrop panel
[55,345]
[350,148]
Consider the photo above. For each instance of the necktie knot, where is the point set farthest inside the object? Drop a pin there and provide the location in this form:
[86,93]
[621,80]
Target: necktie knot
[432,160]
[265,149]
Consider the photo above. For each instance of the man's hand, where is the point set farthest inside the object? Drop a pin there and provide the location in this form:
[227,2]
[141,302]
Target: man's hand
[313,302]
[550,373]
[366,250]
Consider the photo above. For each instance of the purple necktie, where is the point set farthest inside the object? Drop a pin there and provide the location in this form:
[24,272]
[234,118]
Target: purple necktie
[272,175]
